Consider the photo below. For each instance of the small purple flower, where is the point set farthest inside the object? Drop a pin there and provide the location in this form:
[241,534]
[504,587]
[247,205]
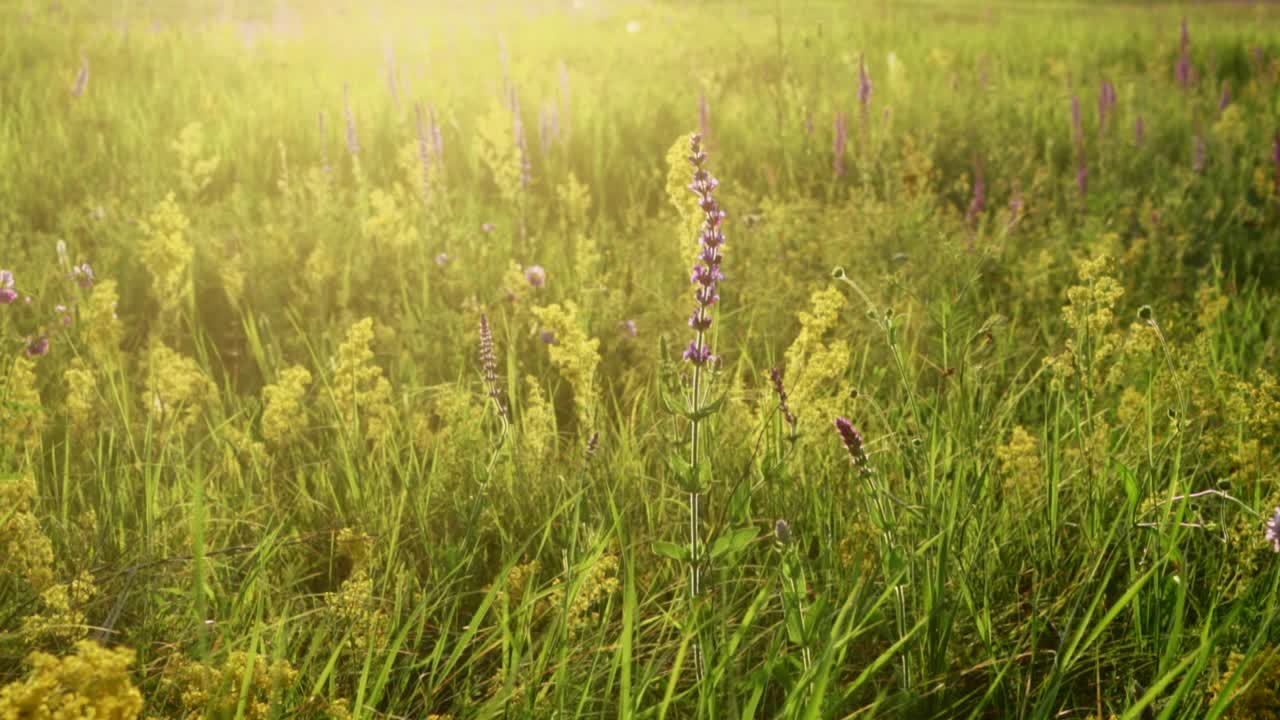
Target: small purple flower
[83,275]
[548,337]
[853,442]
[781,390]
[628,328]
[536,276]
[1184,57]
[698,355]
[1106,103]
[1077,122]
[1273,530]
[1201,154]
[707,275]
[1226,95]
[488,227]
[8,294]
[38,346]
[442,259]
[864,85]
[782,531]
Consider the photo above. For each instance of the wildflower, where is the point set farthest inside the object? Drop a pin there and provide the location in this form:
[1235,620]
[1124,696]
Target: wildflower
[424,148]
[979,202]
[1139,131]
[1082,177]
[62,310]
[1275,158]
[852,440]
[1226,95]
[442,259]
[1106,103]
[489,365]
[285,416]
[353,141]
[707,274]
[782,530]
[574,353]
[864,85]
[82,79]
[841,138]
[488,227]
[38,346]
[1273,530]
[83,275]
[536,276]
[780,389]
[521,142]
[360,391]
[1077,123]
[593,444]
[8,293]
[548,337]
[628,328]
[94,682]
[1184,57]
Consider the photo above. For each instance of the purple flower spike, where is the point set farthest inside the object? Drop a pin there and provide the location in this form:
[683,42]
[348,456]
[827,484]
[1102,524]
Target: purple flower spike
[864,85]
[852,440]
[1184,57]
[8,294]
[38,347]
[83,275]
[1139,131]
[697,355]
[536,276]
[838,146]
[706,276]
[1273,530]
[1226,95]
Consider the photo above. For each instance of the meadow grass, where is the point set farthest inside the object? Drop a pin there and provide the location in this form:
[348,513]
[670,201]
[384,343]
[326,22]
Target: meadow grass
[343,367]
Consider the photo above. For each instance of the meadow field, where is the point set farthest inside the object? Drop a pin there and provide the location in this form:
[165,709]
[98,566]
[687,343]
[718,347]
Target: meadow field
[619,359]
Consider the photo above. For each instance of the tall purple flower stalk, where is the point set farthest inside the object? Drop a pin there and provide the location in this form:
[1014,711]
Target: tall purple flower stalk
[8,293]
[489,366]
[1273,530]
[1077,123]
[979,202]
[1106,103]
[706,273]
[780,389]
[853,444]
[424,148]
[841,140]
[1184,57]
[353,140]
[82,79]
[864,86]
[1139,131]
[1226,95]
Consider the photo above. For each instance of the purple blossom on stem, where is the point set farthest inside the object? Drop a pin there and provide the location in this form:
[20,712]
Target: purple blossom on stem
[489,366]
[628,328]
[38,346]
[548,337]
[841,140]
[436,135]
[782,531]
[1082,177]
[864,85]
[536,276]
[488,227]
[780,389]
[1139,131]
[1106,103]
[853,443]
[82,274]
[8,293]
[707,275]
[442,259]
[1184,57]
[1077,122]
[1273,530]
[1226,95]
[979,202]
[82,79]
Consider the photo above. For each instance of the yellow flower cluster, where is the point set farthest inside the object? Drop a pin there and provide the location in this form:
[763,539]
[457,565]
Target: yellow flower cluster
[575,354]
[167,255]
[22,416]
[25,550]
[177,390]
[537,426]
[679,175]
[92,683]
[356,610]
[208,690]
[495,145]
[575,223]
[101,328]
[195,169]
[1260,699]
[816,364]
[361,395]
[388,224]
[1090,313]
[284,417]
[1020,461]
[61,619]
[83,411]
[600,583]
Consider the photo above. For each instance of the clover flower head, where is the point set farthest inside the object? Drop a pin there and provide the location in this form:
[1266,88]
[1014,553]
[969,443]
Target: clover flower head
[536,276]
[1273,530]
[8,294]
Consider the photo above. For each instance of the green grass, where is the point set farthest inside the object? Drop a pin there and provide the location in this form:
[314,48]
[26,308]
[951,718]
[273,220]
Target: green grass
[1068,400]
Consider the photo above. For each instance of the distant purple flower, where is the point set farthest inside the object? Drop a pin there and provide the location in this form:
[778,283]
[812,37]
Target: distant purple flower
[864,85]
[853,443]
[424,148]
[62,310]
[704,116]
[353,140]
[1082,177]
[979,202]
[1184,57]
[488,227]
[1273,530]
[489,365]
[536,276]
[780,389]
[1139,131]
[8,294]
[1106,103]
[1201,154]
[1226,95]
[1077,122]
[38,346]
[83,275]
[838,146]
[782,531]
[442,259]
[82,79]
[548,337]
[707,275]
[628,328]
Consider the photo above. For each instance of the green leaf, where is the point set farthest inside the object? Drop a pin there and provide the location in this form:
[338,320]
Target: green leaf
[733,541]
[679,553]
